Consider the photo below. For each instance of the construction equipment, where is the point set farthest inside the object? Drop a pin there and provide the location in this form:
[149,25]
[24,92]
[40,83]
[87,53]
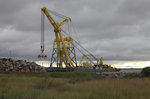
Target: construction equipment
[61,50]
[64,47]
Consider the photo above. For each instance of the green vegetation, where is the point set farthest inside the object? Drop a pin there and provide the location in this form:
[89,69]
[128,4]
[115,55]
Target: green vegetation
[71,85]
[146,72]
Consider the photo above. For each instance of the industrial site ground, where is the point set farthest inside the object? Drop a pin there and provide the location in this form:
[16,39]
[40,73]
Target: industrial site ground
[71,85]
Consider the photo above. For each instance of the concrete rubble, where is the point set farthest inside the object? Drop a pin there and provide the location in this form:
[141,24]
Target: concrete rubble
[7,64]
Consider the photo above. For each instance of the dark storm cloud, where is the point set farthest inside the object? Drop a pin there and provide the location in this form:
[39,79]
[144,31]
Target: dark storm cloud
[116,29]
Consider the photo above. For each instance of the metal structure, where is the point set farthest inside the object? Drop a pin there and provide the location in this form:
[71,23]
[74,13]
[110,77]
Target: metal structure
[61,52]
[70,49]
[63,46]
[88,56]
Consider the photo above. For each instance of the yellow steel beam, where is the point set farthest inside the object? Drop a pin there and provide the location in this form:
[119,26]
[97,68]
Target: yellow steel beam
[89,57]
[65,21]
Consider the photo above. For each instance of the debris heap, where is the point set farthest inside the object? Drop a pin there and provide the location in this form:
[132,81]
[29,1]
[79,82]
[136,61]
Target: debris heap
[7,64]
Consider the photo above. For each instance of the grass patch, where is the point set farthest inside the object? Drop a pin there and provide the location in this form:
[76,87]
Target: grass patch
[71,85]
[72,74]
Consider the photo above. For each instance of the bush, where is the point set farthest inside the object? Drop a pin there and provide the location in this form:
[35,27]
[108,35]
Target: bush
[145,72]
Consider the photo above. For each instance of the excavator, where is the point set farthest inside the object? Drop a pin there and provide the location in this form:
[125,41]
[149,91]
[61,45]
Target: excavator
[63,46]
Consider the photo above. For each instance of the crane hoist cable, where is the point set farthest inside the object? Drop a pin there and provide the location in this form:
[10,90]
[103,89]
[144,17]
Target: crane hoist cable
[42,32]
[42,55]
[75,31]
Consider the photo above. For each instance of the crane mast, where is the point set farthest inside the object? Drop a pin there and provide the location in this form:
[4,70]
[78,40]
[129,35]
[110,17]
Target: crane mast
[62,53]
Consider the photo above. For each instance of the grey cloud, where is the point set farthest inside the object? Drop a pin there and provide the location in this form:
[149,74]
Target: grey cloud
[116,30]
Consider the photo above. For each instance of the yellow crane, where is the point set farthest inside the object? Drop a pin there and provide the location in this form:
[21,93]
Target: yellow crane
[59,40]
[64,46]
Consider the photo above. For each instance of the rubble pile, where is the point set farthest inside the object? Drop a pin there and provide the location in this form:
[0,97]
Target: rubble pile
[7,64]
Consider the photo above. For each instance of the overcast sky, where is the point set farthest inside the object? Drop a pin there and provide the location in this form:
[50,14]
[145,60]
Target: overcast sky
[114,29]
